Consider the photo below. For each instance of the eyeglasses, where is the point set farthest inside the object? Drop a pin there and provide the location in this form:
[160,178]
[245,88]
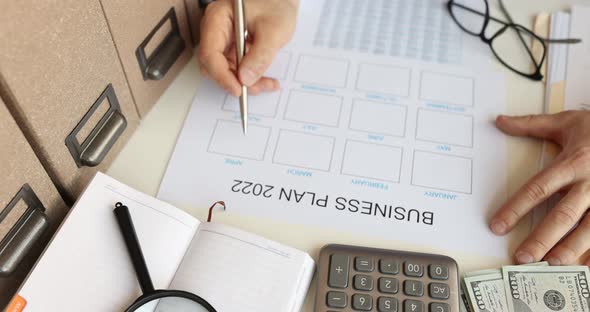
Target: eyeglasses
[153,300]
[475,20]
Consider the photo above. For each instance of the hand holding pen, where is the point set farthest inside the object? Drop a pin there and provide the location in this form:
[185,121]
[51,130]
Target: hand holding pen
[270,25]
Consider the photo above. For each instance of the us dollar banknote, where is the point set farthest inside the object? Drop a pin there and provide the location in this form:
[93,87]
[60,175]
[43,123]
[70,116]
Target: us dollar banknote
[463,301]
[547,289]
[485,290]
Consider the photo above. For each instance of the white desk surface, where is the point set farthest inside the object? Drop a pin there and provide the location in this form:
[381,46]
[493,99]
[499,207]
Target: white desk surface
[143,161]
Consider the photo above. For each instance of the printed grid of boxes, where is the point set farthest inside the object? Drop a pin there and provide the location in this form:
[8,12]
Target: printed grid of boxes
[361,159]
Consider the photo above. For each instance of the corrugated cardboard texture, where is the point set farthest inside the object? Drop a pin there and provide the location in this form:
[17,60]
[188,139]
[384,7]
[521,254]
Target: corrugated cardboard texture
[194,18]
[19,165]
[130,22]
[56,58]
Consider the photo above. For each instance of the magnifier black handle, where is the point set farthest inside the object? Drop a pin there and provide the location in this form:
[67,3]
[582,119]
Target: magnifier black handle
[132,243]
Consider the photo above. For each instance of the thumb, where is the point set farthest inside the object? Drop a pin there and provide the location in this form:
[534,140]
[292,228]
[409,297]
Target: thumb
[259,57]
[539,126]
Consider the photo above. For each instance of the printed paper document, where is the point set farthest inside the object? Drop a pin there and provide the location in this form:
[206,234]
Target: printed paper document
[354,141]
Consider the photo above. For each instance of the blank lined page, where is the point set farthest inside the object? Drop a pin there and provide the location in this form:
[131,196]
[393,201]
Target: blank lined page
[87,266]
[242,272]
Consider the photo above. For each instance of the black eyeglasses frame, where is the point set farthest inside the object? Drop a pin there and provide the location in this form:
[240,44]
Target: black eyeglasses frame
[536,75]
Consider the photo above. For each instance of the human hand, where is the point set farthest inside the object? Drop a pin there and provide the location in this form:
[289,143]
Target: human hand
[270,25]
[568,174]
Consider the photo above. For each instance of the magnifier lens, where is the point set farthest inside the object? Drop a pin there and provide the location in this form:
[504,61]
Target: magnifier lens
[171,304]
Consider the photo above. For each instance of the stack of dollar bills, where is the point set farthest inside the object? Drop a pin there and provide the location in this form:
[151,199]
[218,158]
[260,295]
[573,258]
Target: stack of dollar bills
[535,287]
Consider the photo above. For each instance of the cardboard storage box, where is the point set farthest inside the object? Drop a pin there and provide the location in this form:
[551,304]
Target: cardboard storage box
[30,207]
[62,80]
[154,44]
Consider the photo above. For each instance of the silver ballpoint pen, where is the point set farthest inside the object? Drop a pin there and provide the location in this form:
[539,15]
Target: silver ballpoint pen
[240,30]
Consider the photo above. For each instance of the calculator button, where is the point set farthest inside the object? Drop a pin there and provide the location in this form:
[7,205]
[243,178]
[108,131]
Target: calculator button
[439,307]
[363,264]
[338,276]
[438,290]
[387,304]
[362,302]
[413,288]
[388,285]
[413,269]
[438,272]
[336,299]
[388,266]
[363,282]
[413,306]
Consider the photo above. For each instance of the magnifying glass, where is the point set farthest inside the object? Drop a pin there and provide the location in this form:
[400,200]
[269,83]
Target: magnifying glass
[153,300]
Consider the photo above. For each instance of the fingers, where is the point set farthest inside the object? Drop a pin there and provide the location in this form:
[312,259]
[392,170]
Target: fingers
[540,126]
[535,191]
[216,36]
[219,70]
[264,85]
[267,42]
[271,27]
[573,247]
[560,220]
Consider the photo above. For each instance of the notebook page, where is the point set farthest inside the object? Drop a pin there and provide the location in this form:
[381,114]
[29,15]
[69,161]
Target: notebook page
[87,264]
[241,272]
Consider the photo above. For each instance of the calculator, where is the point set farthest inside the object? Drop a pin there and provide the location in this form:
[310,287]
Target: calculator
[352,278]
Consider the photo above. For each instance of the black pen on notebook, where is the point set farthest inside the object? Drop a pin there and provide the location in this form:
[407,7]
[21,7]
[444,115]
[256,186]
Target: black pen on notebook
[240,30]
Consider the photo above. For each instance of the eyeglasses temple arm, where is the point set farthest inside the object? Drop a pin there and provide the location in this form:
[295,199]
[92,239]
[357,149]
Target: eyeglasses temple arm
[132,242]
[547,40]
[466,8]
[562,41]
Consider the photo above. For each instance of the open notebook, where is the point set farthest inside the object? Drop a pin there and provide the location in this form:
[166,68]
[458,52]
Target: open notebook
[87,268]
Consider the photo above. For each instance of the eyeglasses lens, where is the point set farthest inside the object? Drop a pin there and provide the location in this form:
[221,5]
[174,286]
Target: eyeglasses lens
[469,15]
[513,48]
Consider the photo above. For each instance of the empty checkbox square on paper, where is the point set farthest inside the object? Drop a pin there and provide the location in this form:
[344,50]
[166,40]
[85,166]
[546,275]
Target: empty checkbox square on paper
[443,127]
[280,66]
[442,172]
[321,70]
[384,79]
[378,118]
[264,104]
[227,139]
[372,161]
[447,89]
[311,107]
[304,150]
